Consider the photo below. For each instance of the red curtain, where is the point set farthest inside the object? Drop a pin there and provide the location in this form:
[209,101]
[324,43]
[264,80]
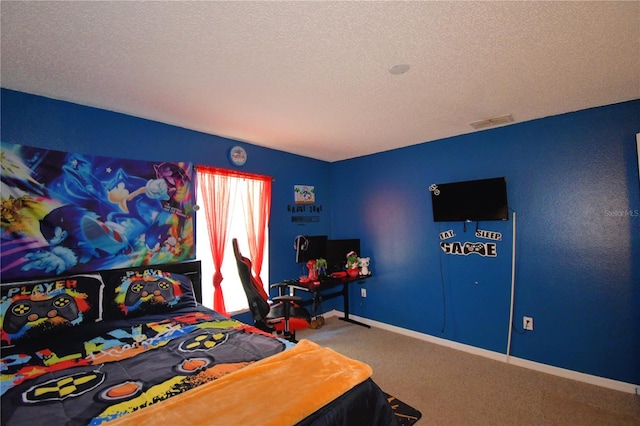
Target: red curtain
[215,188]
[257,208]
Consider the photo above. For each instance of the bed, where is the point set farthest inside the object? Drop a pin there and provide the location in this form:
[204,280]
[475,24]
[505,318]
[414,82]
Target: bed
[133,347]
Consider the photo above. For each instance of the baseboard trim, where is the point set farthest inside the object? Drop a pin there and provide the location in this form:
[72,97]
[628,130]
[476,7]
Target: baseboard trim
[520,362]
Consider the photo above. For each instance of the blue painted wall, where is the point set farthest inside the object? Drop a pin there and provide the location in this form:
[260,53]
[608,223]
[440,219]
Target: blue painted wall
[47,123]
[572,181]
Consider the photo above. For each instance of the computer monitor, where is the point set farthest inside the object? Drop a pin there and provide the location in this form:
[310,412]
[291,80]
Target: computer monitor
[337,253]
[310,247]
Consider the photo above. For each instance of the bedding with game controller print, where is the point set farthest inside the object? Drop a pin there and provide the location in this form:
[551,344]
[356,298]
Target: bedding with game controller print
[93,374]
[131,345]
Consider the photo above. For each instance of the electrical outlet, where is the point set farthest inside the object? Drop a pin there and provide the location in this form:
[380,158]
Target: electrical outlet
[363,292]
[527,323]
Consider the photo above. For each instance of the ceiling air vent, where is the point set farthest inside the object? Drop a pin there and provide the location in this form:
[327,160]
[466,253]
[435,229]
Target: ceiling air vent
[494,121]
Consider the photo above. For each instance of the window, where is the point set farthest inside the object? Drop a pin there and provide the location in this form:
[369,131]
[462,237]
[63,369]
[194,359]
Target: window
[234,296]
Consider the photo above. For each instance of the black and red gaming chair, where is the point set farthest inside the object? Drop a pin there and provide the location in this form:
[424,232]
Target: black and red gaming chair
[283,316]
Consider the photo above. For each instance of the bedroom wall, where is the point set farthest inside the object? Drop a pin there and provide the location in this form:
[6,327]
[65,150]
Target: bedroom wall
[47,123]
[572,181]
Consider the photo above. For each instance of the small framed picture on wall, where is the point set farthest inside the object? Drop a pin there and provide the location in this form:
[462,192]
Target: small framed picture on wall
[304,194]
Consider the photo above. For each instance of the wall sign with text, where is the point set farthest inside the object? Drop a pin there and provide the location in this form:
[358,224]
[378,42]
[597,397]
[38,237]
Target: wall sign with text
[300,213]
[485,249]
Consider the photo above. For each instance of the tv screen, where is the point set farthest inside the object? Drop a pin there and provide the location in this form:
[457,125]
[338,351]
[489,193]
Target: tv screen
[475,200]
[337,253]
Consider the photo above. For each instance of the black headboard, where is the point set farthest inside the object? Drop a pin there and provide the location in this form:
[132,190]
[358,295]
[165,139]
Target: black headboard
[189,268]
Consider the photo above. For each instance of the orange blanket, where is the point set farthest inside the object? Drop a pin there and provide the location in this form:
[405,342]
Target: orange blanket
[280,390]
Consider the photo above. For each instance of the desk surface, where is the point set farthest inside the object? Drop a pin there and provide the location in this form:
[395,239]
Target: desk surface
[324,283]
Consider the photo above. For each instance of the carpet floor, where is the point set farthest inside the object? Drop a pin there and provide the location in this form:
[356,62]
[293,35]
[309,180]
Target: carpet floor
[451,387]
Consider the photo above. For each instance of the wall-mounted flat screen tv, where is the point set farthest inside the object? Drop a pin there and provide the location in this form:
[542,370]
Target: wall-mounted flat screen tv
[475,200]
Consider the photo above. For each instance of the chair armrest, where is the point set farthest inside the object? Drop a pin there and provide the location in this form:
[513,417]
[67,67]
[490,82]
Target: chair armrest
[281,287]
[287,299]
[277,285]
[284,283]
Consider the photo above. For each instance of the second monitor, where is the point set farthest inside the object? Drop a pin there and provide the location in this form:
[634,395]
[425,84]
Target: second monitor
[337,250]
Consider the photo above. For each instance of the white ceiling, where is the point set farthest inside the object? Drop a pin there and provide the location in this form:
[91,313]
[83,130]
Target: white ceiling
[312,77]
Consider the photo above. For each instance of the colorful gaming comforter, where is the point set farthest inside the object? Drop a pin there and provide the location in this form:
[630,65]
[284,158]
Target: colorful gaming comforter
[86,349]
[97,372]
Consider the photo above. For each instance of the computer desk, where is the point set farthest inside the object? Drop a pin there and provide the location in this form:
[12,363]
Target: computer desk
[319,293]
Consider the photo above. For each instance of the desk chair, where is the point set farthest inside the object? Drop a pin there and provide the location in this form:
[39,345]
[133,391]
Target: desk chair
[283,316]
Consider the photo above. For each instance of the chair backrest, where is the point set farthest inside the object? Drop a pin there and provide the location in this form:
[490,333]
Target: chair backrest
[256,296]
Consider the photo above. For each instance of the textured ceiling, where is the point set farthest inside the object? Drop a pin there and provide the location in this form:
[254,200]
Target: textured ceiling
[312,78]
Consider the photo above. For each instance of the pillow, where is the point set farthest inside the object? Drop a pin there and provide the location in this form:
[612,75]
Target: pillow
[30,309]
[144,292]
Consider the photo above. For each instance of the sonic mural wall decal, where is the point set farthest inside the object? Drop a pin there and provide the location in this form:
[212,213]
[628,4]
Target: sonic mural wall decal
[67,212]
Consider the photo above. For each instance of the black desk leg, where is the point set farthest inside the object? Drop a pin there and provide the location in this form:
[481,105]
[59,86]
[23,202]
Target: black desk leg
[352,321]
[345,292]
